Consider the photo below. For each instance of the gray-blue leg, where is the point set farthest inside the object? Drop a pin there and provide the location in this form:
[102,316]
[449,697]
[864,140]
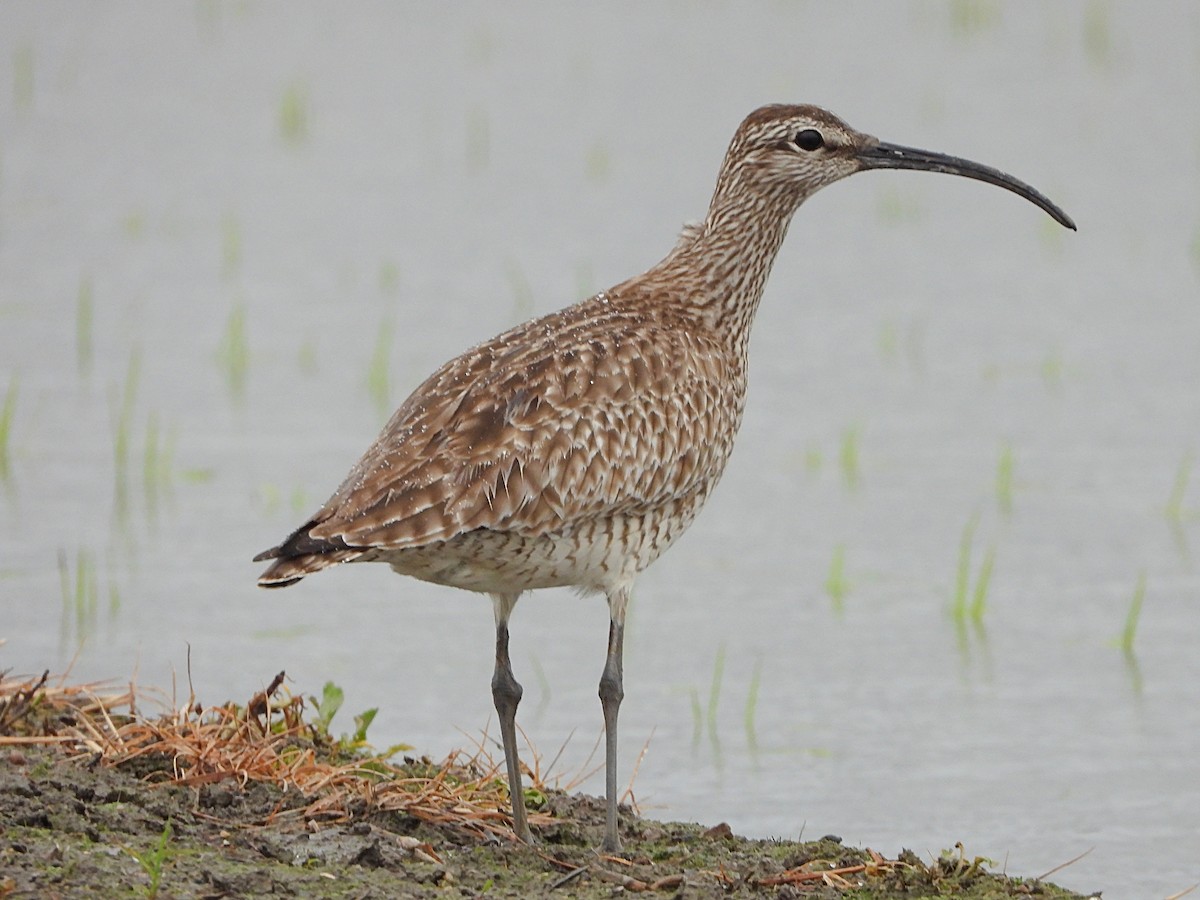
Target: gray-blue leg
[506,693]
[612,692]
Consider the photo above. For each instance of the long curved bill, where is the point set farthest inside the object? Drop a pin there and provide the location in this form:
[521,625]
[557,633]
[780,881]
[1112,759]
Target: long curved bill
[894,156]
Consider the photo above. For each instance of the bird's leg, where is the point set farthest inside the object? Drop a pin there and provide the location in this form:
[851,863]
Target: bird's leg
[612,692]
[506,693]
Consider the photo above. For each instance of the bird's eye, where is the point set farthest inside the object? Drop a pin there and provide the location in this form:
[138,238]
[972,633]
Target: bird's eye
[810,139]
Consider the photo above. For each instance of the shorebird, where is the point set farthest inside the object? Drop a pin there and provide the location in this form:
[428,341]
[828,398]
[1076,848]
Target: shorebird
[574,449]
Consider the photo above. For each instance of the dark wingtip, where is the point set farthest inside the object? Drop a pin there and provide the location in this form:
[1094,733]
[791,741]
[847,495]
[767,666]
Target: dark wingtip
[298,553]
[276,584]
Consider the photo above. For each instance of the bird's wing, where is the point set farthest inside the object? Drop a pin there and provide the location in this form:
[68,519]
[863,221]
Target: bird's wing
[587,413]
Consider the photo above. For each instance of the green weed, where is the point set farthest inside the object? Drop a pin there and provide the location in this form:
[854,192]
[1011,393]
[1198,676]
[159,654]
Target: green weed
[897,207]
[231,245]
[83,326]
[233,351]
[331,701]
[80,593]
[332,698]
[1052,369]
[543,685]
[389,278]
[294,109]
[697,717]
[752,705]
[813,459]
[970,603]
[521,290]
[714,693]
[7,412]
[157,461]
[1129,632]
[1174,509]
[154,860]
[1052,239]
[23,82]
[889,341]
[836,583]
[598,165]
[122,418]
[479,140]
[969,17]
[585,280]
[1097,34]
[848,456]
[307,357]
[134,224]
[1004,479]
[379,382]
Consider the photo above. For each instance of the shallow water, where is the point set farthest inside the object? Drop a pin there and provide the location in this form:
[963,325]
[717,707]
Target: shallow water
[402,183]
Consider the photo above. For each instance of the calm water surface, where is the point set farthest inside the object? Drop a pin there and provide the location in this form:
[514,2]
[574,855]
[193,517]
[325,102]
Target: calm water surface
[234,236]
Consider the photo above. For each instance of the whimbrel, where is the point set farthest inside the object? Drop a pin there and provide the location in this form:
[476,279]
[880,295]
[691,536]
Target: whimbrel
[574,449]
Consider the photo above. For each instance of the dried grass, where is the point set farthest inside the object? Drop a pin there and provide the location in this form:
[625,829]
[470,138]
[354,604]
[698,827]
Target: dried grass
[267,740]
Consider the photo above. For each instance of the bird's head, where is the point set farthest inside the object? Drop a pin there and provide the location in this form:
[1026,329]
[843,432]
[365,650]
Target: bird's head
[786,153]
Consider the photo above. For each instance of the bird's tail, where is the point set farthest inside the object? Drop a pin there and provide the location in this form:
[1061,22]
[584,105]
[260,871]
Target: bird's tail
[300,555]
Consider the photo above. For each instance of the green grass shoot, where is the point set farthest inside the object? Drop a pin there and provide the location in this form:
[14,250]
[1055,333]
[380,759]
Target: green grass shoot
[134,224]
[233,351]
[154,860]
[1174,510]
[1052,369]
[1129,632]
[889,341]
[294,109]
[479,140]
[379,379]
[157,460]
[306,358]
[585,280]
[23,83]
[598,165]
[836,583]
[83,326]
[522,291]
[697,717]
[123,427]
[982,582]
[714,692]
[968,603]
[114,600]
[389,278]
[231,245]
[1004,479]
[7,412]
[813,459]
[150,462]
[896,206]
[971,17]
[543,685]
[1097,34]
[752,705]
[80,593]
[1051,238]
[848,457]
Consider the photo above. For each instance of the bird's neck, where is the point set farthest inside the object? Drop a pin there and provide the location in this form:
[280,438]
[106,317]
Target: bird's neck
[718,269]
